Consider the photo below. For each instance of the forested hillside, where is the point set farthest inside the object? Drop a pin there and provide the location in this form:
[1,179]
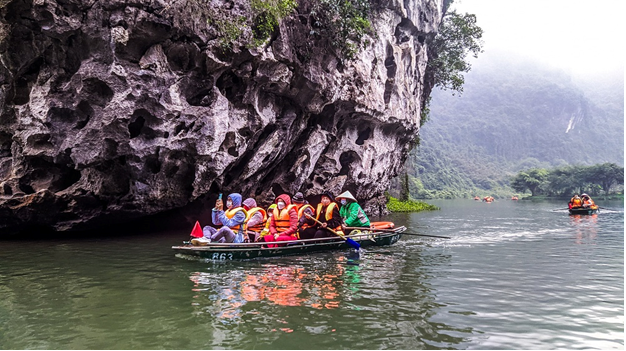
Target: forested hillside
[514,116]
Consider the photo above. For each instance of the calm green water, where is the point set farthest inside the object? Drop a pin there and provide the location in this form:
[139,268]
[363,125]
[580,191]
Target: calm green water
[515,275]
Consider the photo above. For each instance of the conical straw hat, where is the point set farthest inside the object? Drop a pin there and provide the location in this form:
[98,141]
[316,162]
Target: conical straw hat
[346,195]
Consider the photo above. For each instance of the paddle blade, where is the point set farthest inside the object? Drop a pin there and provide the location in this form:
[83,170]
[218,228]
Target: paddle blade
[353,243]
[196,232]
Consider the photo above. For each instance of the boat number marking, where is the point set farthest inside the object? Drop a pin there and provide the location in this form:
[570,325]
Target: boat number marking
[222,256]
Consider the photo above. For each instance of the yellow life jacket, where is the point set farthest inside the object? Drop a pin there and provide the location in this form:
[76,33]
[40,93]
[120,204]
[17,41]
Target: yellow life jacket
[282,219]
[231,213]
[259,226]
[301,213]
[329,214]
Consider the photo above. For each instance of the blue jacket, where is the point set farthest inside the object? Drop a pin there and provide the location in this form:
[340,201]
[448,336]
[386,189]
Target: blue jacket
[219,218]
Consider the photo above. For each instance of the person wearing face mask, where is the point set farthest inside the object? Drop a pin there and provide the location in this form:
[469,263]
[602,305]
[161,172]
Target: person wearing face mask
[284,221]
[256,219]
[352,215]
[231,221]
[327,212]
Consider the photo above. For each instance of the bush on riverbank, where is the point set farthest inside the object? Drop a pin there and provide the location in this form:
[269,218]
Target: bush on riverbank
[395,205]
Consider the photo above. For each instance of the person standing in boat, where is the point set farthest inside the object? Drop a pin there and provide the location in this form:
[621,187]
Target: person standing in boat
[327,212]
[352,214]
[231,221]
[284,221]
[256,219]
[304,208]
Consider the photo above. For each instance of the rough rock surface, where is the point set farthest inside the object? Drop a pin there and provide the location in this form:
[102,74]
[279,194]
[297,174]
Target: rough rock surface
[114,110]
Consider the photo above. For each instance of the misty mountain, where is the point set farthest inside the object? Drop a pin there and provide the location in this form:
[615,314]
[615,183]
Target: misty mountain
[515,115]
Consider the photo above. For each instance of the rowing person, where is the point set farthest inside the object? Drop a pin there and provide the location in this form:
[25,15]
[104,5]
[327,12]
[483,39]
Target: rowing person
[327,213]
[587,202]
[352,214]
[231,221]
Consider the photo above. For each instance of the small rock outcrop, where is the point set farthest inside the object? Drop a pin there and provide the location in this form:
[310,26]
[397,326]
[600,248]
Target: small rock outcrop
[113,110]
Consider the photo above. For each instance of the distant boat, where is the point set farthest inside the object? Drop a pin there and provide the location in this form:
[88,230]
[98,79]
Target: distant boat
[514,198]
[488,199]
[476,198]
[584,210]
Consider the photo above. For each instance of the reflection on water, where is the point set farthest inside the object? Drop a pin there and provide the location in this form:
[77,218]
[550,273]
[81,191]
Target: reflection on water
[225,295]
[585,228]
[381,297]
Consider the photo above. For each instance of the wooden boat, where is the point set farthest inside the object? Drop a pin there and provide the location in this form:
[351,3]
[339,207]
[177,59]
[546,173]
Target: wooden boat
[583,210]
[243,251]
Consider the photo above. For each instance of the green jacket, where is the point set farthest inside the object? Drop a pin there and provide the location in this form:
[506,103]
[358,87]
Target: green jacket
[353,215]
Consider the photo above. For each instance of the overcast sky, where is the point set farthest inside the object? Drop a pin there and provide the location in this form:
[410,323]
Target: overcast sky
[580,37]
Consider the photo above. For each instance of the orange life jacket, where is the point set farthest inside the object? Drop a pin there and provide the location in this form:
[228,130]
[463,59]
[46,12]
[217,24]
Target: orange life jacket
[576,202]
[329,215]
[231,213]
[282,219]
[259,226]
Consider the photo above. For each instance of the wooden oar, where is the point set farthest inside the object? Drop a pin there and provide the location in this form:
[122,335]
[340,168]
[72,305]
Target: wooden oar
[394,231]
[350,242]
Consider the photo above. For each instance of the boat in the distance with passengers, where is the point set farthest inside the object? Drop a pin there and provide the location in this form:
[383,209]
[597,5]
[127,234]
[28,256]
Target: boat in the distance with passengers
[379,234]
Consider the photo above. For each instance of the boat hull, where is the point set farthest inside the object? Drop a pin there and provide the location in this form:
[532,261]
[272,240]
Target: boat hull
[245,251]
[583,211]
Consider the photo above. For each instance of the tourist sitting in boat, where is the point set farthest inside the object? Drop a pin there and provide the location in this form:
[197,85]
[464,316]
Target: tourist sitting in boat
[352,214]
[575,202]
[255,222]
[327,213]
[304,208]
[266,228]
[284,222]
[231,221]
[587,202]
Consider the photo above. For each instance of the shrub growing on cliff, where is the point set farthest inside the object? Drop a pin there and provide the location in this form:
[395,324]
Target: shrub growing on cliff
[253,30]
[458,36]
[343,22]
[267,15]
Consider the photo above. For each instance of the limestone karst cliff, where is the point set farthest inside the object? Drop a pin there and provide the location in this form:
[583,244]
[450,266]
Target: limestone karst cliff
[113,110]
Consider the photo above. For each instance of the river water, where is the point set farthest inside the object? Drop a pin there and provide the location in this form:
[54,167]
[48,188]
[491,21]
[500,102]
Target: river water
[514,275]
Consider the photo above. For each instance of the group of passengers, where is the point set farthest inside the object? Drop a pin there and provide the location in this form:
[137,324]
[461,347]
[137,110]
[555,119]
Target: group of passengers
[287,219]
[583,201]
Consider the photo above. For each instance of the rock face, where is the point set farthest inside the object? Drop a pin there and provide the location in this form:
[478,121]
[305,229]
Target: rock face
[114,110]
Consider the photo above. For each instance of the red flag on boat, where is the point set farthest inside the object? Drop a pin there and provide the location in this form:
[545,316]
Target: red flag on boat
[196,232]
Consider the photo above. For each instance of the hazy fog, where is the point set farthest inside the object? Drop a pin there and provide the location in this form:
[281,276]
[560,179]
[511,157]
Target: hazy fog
[583,38]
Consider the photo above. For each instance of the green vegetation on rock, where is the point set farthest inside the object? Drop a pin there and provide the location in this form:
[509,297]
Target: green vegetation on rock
[343,22]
